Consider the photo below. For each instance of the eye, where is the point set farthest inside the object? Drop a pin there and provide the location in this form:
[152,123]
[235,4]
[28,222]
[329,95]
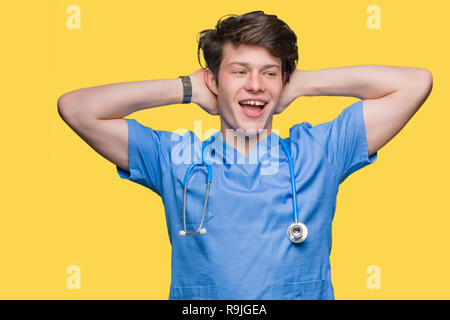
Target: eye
[271,74]
[238,72]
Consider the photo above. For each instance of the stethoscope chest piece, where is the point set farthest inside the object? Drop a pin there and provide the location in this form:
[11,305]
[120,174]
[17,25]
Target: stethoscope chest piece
[297,232]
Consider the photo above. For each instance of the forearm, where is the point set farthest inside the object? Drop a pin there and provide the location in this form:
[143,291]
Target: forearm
[363,81]
[117,100]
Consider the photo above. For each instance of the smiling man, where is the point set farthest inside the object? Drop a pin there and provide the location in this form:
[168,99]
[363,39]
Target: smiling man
[251,87]
[229,222]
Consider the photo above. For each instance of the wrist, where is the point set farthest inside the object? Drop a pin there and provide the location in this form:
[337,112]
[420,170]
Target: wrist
[195,86]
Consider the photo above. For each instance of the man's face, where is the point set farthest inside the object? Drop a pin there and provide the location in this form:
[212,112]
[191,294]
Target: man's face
[247,73]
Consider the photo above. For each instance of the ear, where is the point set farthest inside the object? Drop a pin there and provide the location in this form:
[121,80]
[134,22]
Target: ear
[210,80]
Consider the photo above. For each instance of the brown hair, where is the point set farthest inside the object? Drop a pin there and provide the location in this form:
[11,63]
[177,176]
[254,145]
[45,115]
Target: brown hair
[253,28]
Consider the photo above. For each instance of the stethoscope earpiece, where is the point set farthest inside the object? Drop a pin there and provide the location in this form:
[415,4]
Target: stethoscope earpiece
[183,233]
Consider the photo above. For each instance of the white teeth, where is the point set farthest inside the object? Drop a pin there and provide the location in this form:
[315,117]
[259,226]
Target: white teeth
[258,103]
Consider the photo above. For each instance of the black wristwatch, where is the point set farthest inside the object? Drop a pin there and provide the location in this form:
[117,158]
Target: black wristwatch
[187,89]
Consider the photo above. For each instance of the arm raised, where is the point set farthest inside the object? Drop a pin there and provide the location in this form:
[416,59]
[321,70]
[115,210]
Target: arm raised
[391,94]
[96,113]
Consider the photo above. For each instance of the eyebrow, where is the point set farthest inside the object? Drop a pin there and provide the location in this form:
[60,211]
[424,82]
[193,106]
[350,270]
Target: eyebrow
[245,64]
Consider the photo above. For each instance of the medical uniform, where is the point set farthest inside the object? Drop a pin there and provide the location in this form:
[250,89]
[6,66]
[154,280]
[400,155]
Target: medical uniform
[246,253]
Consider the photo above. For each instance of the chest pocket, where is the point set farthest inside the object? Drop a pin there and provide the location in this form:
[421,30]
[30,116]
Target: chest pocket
[195,196]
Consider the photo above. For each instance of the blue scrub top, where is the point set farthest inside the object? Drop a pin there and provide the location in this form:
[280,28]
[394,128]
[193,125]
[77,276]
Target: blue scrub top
[246,253]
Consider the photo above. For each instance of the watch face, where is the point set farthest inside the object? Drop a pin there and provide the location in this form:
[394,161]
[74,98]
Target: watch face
[187,89]
[187,85]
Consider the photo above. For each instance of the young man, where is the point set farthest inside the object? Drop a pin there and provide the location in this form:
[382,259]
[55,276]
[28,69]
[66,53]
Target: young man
[247,252]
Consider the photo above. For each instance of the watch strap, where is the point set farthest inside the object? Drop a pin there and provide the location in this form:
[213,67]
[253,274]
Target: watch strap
[187,89]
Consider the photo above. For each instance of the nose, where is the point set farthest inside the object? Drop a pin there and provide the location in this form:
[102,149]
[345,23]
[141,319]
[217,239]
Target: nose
[254,82]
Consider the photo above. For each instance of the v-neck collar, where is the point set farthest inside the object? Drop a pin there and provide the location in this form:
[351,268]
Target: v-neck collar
[267,149]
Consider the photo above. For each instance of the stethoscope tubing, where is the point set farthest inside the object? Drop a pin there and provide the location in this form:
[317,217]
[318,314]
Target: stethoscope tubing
[208,184]
[295,225]
[292,176]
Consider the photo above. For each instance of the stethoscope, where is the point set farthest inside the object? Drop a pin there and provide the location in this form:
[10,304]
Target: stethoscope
[297,232]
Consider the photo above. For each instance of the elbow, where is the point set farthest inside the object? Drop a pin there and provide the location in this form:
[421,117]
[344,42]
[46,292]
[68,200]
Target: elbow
[429,80]
[69,105]
[427,83]
[419,82]
[63,109]
[422,84]
[424,79]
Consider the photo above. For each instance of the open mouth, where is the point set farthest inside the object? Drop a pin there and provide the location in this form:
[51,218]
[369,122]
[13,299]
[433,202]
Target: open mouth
[253,108]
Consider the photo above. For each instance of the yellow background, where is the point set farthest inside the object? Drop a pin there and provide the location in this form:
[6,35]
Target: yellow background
[63,204]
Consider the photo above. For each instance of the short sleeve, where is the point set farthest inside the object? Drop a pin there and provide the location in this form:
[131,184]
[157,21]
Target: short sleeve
[146,148]
[344,140]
